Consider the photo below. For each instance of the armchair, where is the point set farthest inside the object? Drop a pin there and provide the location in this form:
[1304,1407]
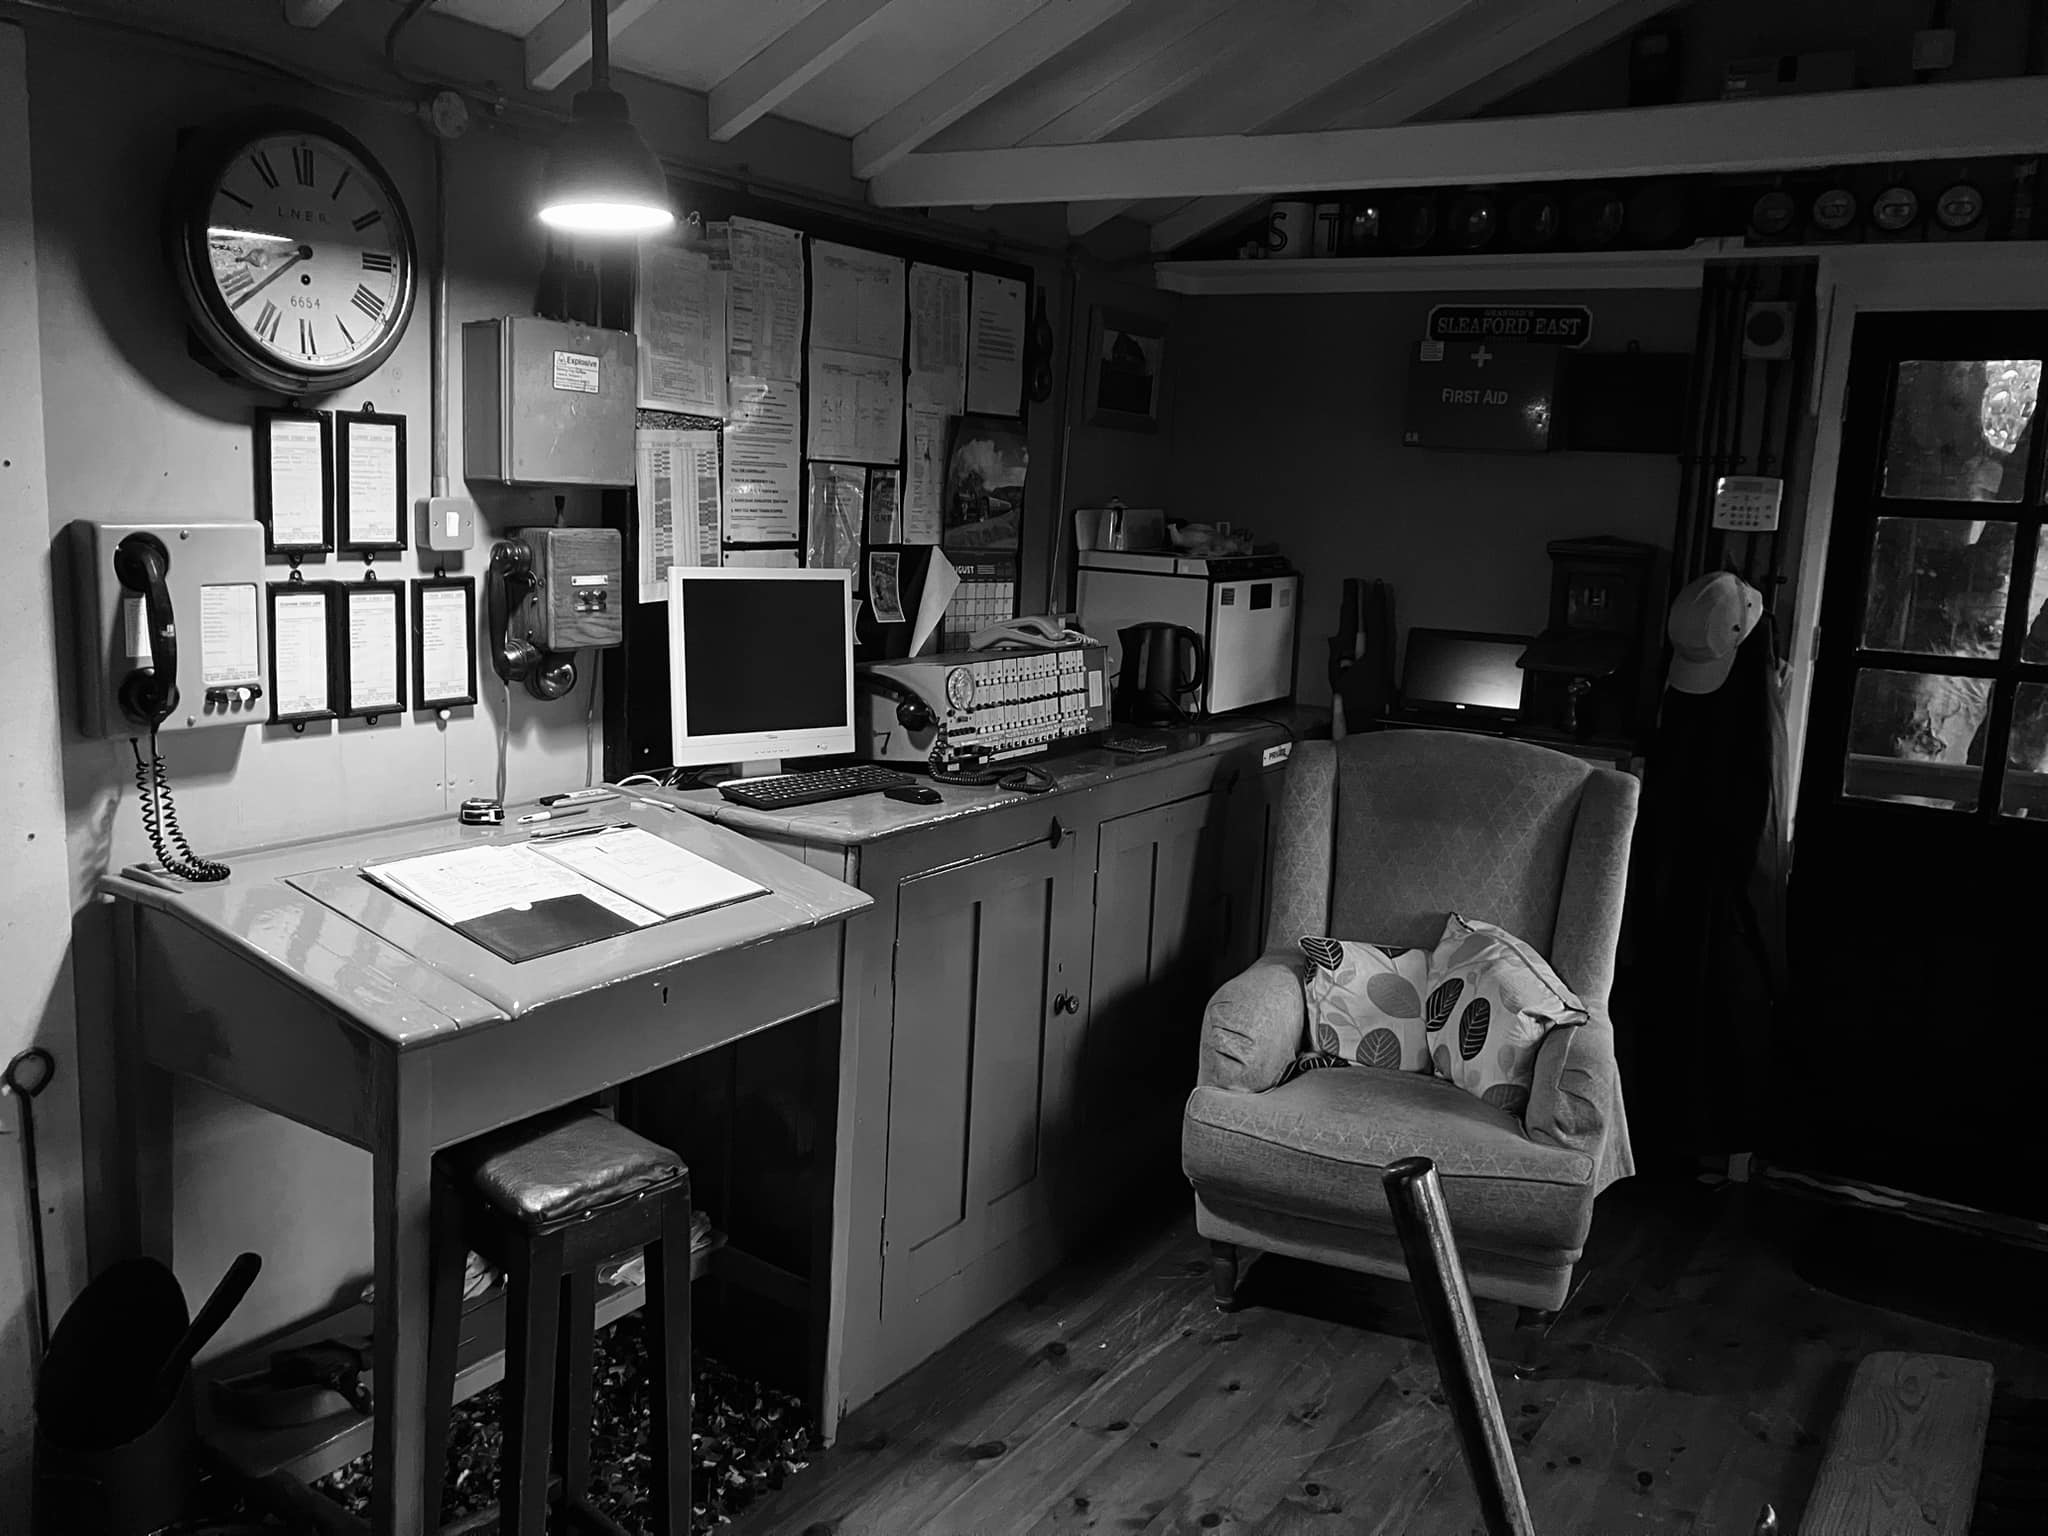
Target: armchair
[1379,837]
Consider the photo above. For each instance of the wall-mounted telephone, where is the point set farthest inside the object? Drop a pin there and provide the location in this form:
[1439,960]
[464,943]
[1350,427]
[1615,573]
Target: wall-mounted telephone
[550,592]
[141,677]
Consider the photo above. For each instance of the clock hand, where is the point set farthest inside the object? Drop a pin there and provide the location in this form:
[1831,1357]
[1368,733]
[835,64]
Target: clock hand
[303,253]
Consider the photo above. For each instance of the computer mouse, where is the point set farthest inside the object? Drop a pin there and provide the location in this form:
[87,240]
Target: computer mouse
[915,794]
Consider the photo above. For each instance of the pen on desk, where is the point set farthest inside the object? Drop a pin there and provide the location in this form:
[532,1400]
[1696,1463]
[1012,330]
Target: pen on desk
[554,815]
[654,805]
[553,834]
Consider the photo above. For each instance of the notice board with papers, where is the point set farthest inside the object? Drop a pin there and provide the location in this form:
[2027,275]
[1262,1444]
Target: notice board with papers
[801,380]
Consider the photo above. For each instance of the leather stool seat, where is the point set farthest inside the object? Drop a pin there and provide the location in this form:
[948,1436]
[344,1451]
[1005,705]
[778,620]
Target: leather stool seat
[548,1200]
[556,1167]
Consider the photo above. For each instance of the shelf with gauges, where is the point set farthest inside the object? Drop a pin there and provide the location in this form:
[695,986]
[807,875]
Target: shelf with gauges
[1528,272]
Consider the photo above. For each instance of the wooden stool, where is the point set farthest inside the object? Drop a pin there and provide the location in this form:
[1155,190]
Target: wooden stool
[549,1200]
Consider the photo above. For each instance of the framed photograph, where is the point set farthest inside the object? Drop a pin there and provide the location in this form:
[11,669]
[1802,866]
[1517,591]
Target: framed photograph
[1126,370]
[443,641]
[984,492]
[371,641]
[369,480]
[302,659]
[294,459]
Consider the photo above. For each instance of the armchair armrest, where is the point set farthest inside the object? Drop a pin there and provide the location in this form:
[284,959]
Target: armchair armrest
[1252,1028]
[1575,1100]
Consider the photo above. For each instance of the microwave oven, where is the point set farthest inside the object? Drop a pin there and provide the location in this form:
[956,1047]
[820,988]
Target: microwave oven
[1244,607]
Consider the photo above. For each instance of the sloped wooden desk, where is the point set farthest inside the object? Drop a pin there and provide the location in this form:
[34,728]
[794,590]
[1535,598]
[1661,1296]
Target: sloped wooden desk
[300,987]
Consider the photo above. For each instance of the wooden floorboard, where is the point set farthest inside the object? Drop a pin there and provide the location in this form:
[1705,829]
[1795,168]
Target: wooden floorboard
[1691,1376]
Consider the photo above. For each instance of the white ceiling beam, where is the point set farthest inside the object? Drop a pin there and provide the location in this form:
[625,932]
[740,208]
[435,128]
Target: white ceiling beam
[1054,26]
[560,44]
[309,13]
[791,62]
[1320,55]
[1083,218]
[1133,61]
[1480,57]
[1915,122]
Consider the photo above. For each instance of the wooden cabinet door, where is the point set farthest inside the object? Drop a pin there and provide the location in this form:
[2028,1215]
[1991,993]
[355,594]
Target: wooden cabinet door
[980,1070]
[1158,950]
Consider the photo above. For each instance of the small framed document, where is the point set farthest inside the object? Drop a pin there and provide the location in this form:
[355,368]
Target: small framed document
[371,632]
[295,481]
[443,641]
[369,479]
[302,681]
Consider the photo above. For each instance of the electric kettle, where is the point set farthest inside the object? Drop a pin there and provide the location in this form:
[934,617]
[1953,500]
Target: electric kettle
[1164,668]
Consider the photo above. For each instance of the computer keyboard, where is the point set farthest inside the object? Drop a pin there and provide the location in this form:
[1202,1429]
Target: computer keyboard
[788,789]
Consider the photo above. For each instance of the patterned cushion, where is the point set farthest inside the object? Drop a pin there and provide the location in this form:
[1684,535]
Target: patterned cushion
[1365,1003]
[1491,1001]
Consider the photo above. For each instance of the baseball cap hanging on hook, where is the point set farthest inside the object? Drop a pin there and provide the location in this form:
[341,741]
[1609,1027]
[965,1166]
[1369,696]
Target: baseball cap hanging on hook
[1710,618]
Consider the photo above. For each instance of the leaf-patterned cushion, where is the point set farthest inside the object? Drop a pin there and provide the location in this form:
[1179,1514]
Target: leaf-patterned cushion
[1365,1003]
[1490,1001]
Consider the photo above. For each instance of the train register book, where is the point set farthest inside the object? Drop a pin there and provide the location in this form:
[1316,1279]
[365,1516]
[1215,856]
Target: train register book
[558,890]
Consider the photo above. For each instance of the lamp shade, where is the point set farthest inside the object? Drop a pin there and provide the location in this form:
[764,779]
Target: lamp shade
[601,177]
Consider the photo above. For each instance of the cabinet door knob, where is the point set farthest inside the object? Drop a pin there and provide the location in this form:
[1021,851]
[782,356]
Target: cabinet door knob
[1066,1002]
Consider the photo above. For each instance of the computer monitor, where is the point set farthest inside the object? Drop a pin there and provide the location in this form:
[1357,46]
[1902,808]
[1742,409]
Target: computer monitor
[1463,674]
[760,663]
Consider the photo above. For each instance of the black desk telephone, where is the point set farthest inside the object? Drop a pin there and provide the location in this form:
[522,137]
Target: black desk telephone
[147,696]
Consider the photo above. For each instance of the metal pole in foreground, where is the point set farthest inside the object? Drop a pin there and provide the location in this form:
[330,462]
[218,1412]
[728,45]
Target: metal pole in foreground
[1452,1327]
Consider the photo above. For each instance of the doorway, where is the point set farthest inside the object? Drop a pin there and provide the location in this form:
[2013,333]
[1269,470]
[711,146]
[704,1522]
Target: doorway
[1916,1055]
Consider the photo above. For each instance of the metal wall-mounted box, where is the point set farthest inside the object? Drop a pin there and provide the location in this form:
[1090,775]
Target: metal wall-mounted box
[213,582]
[547,403]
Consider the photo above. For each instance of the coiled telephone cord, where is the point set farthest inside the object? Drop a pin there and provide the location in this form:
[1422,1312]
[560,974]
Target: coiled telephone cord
[160,820]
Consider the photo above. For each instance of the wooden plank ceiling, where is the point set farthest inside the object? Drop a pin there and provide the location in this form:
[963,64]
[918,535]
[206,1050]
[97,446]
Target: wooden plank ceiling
[1093,102]
[904,79]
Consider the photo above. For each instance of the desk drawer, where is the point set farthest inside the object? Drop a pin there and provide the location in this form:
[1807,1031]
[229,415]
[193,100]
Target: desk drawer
[489,1075]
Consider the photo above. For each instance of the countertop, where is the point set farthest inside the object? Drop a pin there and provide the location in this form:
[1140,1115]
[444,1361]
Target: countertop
[869,818]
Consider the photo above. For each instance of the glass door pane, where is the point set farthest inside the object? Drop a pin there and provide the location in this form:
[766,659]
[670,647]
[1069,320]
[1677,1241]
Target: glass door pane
[1959,430]
[1938,586]
[1913,738]
[2026,755]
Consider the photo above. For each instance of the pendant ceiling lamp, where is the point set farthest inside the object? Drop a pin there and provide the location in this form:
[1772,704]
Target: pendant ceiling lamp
[601,177]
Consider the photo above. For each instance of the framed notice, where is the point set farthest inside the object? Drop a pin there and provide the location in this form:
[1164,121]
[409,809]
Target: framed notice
[295,481]
[302,657]
[371,640]
[369,480]
[443,642]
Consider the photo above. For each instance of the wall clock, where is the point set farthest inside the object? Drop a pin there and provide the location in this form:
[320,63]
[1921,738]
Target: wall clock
[292,250]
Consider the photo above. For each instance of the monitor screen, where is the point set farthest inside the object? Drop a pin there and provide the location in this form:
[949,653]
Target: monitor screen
[760,663]
[1450,669]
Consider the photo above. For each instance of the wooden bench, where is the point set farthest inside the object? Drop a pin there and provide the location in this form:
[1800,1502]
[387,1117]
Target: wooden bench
[1905,1450]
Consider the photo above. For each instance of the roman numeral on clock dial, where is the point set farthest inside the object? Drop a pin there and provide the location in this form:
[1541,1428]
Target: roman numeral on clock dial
[306,338]
[265,169]
[302,165]
[266,323]
[371,304]
[378,261]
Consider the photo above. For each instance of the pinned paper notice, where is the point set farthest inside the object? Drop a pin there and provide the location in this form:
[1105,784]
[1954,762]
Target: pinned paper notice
[941,581]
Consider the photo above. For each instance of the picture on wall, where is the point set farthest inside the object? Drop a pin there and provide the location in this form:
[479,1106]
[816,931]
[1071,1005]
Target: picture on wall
[1126,359]
[985,483]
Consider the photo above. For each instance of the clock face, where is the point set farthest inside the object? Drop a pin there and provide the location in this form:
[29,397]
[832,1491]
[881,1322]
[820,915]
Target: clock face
[297,256]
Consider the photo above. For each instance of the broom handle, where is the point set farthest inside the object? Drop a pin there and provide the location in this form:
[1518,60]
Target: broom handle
[1424,1227]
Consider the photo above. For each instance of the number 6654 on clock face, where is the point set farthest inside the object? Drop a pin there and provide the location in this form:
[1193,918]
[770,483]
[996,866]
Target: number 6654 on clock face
[292,250]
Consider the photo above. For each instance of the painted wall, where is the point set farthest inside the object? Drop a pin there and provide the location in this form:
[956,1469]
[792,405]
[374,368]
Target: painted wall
[1288,417]
[132,428]
[135,430]
[35,925]
[1110,463]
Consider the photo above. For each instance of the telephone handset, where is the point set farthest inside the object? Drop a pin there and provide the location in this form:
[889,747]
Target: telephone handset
[509,585]
[149,693]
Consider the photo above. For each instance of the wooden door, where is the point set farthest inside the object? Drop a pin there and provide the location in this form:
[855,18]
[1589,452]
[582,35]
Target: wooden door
[1915,1057]
[1159,952]
[990,991]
